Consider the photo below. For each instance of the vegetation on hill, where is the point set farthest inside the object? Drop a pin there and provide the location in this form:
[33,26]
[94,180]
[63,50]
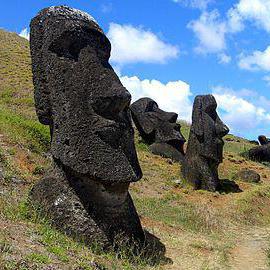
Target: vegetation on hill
[199,229]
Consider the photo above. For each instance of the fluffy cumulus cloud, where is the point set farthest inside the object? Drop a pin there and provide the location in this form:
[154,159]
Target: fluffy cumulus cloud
[256,11]
[240,113]
[258,60]
[210,30]
[25,33]
[173,96]
[200,4]
[134,44]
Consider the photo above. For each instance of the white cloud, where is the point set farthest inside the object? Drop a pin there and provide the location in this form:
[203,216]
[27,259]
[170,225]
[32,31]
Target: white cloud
[134,44]
[200,4]
[173,96]
[25,33]
[254,10]
[210,30]
[239,113]
[258,60]
[234,21]
[224,58]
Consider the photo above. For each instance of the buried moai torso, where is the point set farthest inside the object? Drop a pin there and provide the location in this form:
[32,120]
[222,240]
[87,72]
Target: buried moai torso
[205,145]
[158,128]
[80,97]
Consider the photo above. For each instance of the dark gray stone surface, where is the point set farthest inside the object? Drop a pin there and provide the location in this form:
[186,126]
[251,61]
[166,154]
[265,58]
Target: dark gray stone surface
[260,153]
[158,128]
[205,145]
[263,140]
[78,94]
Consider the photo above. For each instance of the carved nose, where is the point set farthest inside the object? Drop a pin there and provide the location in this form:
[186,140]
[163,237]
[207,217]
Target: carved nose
[168,116]
[222,130]
[111,106]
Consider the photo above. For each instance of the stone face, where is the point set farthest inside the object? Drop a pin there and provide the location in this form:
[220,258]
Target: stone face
[158,128]
[78,94]
[205,145]
[260,153]
[263,140]
[247,175]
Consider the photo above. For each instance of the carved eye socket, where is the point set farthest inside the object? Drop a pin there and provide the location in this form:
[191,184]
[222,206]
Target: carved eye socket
[151,106]
[70,44]
[211,111]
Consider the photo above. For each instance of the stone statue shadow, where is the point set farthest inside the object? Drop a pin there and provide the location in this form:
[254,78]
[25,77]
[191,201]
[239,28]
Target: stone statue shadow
[228,186]
[151,253]
[154,251]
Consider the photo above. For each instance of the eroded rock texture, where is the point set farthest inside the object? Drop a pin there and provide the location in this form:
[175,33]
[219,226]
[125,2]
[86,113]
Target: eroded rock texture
[263,140]
[78,94]
[205,145]
[260,153]
[158,128]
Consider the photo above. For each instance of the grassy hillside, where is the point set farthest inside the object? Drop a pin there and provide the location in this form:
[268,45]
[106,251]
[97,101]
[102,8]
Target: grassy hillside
[199,229]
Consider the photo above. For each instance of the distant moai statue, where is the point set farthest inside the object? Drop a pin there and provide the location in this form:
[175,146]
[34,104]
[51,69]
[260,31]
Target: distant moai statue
[205,145]
[158,129]
[263,140]
[79,96]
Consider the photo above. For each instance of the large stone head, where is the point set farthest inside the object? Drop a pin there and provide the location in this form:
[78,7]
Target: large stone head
[208,128]
[78,94]
[263,140]
[156,125]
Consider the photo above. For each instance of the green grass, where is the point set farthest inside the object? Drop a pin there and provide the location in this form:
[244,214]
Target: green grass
[173,210]
[59,247]
[31,133]
[38,258]
[236,145]
[252,206]
[185,128]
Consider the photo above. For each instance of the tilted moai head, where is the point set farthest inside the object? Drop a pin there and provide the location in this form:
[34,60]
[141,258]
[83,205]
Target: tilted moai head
[205,144]
[263,140]
[158,128]
[78,94]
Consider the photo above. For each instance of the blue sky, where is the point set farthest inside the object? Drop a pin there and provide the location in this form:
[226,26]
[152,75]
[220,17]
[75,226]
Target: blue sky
[172,50]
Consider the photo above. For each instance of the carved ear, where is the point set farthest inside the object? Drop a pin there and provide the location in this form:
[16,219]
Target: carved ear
[197,121]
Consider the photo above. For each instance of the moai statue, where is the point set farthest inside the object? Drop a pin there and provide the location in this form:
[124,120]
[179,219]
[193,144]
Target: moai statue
[260,153]
[158,129]
[205,145]
[79,96]
[263,140]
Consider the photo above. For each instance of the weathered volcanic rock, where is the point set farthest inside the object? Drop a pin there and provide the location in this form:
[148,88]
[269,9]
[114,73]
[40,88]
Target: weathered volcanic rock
[79,96]
[205,145]
[263,140]
[260,153]
[158,128]
[247,175]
